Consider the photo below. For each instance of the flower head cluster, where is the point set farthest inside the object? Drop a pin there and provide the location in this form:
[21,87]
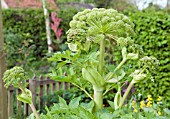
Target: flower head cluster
[93,25]
[123,42]
[148,63]
[13,76]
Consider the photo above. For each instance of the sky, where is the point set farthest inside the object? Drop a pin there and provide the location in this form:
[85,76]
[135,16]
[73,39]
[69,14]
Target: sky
[142,4]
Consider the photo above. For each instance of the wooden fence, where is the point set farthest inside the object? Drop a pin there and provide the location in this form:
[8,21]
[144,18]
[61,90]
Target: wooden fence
[39,87]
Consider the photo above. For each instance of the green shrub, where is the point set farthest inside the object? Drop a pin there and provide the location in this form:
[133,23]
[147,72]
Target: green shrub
[153,34]
[25,36]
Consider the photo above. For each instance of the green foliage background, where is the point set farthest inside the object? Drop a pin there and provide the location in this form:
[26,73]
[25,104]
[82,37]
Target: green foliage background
[153,34]
[25,36]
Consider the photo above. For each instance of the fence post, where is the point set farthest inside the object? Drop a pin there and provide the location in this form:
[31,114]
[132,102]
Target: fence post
[26,106]
[10,102]
[47,86]
[53,87]
[19,105]
[3,91]
[41,93]
[32,87]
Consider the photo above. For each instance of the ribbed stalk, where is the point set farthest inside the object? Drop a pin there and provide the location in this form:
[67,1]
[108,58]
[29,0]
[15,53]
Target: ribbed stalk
[98,98]
[126,93]
[118,67]
[101,57]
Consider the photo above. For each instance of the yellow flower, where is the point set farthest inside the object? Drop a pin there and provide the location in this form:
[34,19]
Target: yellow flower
[149,98]
[159,113]
[159,98]
[133,103]
[135,110]
[142,104]
[149,104]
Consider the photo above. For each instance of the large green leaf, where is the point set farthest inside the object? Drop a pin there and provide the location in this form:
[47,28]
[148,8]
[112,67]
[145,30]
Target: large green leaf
[26,98]
[74,103]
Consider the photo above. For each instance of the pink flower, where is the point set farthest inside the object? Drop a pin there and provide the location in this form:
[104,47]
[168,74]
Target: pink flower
[53,14]
[58,33]
[55,25]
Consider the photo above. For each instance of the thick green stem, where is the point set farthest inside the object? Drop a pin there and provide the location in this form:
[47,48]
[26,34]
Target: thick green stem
[121,63]
[101,57]
[98,98]
[126,93]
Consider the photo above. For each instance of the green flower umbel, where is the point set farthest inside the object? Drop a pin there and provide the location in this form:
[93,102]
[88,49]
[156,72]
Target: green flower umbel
[97,24]
[13,76]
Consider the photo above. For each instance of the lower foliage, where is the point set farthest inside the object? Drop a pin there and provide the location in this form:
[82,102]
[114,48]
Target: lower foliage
[77,110]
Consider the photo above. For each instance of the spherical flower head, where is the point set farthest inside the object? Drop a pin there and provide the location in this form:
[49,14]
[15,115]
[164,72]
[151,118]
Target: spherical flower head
[13,76]
[148,63]
[124,42]
[135,48]
[98,22]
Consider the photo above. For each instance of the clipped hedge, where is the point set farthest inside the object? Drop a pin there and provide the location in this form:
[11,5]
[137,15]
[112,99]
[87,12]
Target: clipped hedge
[25,35]
[153,34]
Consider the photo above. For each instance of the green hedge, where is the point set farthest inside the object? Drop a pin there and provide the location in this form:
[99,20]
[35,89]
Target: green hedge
[153,34]
[25,35]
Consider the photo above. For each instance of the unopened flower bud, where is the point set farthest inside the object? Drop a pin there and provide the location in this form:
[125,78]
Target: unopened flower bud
[132,56]
[137,76]
[72,47]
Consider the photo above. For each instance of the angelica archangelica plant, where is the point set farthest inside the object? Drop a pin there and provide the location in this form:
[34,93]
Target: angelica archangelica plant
[95,27]
[89,33]
[16,77]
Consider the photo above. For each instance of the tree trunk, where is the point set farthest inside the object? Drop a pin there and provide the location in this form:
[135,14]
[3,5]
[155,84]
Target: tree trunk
[47,22]
[4,5]
[3,91]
